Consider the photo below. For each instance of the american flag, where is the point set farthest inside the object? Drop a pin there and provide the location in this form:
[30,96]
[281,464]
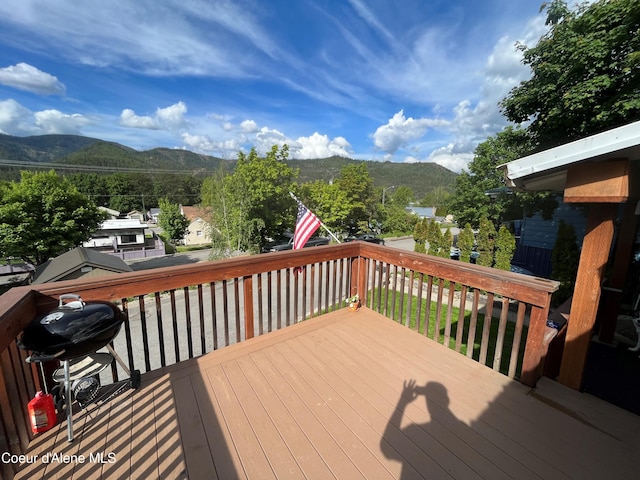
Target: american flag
[306,224]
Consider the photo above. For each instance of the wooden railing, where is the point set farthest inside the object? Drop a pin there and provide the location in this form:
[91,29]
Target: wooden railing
[178,313]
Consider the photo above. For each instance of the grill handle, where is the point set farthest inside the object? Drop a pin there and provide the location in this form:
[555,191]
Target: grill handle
[76,302]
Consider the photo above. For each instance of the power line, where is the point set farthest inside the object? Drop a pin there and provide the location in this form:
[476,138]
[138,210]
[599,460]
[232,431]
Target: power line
[97,168]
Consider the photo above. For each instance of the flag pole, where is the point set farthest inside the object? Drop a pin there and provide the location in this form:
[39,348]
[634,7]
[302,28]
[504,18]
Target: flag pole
[321,222]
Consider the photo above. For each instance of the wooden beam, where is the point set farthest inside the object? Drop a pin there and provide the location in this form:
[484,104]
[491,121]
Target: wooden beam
[586,296]
[598,182]
[622,260]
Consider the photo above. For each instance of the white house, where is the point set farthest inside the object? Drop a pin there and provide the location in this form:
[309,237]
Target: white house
[199,229]
[117,234]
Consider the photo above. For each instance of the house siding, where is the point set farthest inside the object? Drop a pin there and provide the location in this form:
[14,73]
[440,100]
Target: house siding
[538,236]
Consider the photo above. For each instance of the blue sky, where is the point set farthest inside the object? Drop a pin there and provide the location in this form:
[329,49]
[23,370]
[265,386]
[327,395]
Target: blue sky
[410,81]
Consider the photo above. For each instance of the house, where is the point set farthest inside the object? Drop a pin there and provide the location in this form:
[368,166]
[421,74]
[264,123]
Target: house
[536,237]
[79,263]
[117,234]
[199,229]
[422,212]
[136,215]
[153,214]
[112,214]
[600,174]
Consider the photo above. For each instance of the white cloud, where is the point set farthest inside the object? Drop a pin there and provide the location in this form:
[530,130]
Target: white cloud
[26,77]
[15,119]
[18,120]
[446,157]
[172,116]
[319,146]
[227,148]
[399,131]
[173,37]
[54,121]
[168,118]
[249,126]
[128,118]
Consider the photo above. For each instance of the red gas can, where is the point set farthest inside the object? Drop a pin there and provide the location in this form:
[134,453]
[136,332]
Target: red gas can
[42,412]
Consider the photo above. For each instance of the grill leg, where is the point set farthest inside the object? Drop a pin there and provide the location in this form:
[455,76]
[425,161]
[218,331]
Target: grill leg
[67,393]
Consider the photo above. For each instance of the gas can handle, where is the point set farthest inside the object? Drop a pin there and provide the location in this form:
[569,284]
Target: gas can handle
[68,296]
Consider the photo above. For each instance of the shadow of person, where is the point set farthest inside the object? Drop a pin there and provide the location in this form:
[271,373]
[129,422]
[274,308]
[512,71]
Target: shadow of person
[426,449]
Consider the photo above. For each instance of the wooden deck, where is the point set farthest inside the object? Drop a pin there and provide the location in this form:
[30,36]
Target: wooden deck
[321,400]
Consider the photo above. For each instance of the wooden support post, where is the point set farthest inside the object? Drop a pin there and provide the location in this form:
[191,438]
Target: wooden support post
[358,278]
[623,257]
[247,284]
[593,260]
[535,349]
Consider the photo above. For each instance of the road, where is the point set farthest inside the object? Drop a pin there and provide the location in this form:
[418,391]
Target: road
[195,256]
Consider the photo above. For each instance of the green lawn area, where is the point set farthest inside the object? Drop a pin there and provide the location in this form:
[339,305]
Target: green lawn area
[404,301]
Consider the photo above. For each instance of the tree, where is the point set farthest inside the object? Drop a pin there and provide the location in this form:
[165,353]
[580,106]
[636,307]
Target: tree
[481,190]
[43,216]
[439,198]
[401,197]
[486,242]
[445,245]
[355,181]
[328,201]
[233,230]
[266,183]
[434,238]
[505,246]
[127,191]
[420,234]
[92,185]
[585,73]
[466,240]
[171,220]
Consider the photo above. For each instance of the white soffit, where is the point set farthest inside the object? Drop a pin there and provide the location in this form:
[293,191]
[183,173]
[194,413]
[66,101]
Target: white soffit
[547,170]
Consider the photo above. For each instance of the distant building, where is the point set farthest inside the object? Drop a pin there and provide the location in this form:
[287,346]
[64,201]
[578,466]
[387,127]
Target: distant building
[199,229]
[118,233]
[422,212]
[153,214]
[79,263]
[113,214]
[136,215]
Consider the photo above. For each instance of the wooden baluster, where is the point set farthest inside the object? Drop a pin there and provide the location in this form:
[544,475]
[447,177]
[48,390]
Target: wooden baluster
[163,361]
[187,312]
[473,322]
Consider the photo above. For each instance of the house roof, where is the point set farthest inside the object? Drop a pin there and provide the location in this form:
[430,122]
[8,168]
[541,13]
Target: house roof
[121,223]
[192,213]
[547,170]
[72,260]
[422,211]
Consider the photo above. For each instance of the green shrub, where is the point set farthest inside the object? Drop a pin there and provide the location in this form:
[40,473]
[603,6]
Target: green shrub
[564,261]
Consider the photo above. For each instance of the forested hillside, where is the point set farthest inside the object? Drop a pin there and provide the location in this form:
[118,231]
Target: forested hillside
[60,152]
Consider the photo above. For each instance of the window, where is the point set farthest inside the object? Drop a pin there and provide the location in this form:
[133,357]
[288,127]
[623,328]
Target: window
[128,239]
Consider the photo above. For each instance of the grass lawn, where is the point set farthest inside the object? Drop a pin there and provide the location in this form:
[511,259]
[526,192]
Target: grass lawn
[430,313]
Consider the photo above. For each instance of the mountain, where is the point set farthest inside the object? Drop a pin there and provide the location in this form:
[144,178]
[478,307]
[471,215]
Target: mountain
[42,148]
[95,154]
[420,177]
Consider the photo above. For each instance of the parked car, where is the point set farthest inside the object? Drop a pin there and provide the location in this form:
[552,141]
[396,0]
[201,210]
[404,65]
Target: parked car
[366,237]
[281,246]
[454,254]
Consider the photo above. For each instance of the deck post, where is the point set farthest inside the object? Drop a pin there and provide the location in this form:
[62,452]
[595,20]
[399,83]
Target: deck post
[534,351]
[586,296]
[358,278]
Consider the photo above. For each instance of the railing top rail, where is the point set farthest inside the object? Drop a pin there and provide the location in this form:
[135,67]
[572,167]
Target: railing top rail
[128,284]
[533,290]
[23,303]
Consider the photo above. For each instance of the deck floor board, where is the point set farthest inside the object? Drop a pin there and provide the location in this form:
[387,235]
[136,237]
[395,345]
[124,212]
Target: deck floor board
[322,399]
